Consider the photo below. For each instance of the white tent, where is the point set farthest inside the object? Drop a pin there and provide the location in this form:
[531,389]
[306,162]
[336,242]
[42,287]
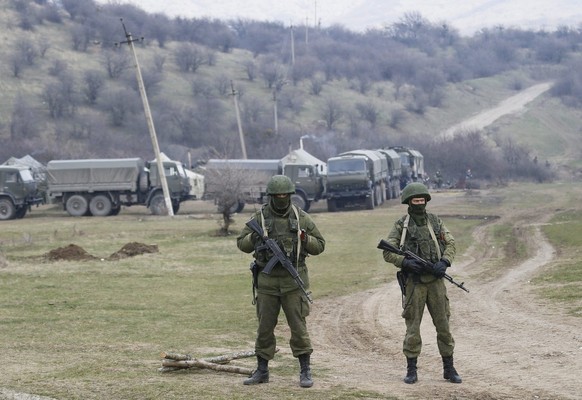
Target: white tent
[300,156]
[38,169]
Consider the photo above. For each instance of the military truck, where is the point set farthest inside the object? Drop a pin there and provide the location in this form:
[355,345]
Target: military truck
[356,177]
[252,175]
[18,192]
[412,165]
[99,187]
[394,173]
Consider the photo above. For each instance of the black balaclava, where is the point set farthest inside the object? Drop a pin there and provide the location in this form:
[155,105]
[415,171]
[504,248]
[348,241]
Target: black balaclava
[417,212]
[280,204]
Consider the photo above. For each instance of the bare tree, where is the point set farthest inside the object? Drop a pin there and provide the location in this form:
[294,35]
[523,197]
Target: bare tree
[251,69]
[331,112]
[228,186]
[115,62]
[274,73]
[24,120]
[368,112]
[189,57]
[94,82]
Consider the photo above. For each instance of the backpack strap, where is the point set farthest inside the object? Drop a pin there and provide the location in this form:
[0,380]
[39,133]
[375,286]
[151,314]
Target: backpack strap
[433,236]
[404,230]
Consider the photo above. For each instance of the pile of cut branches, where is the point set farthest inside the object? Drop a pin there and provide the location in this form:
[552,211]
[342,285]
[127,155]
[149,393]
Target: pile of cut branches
[175,361]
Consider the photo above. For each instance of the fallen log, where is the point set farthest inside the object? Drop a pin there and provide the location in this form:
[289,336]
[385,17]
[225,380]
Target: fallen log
[205,364]
[224,359]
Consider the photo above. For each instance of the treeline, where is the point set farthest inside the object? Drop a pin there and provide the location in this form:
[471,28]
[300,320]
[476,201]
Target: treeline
[94,110]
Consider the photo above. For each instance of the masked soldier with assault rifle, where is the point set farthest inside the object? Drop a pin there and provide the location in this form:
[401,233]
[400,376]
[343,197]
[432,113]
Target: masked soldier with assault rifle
[281,285]
[425,235]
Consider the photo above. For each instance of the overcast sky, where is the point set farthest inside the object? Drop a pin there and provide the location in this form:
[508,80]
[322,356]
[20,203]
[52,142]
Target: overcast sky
[468,16]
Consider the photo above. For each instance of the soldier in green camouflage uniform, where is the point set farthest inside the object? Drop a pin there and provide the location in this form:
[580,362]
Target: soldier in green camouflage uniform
[298,237]
[425,235]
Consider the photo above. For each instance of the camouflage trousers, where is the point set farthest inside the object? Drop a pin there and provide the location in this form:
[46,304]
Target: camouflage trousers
[296,308]
[434,296]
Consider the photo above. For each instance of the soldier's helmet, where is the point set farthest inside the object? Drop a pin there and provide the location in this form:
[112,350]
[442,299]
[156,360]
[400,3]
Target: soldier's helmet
[280,184]
[415,189]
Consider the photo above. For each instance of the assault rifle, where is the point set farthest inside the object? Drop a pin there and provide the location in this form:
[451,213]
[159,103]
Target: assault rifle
[427,266]
[278,256]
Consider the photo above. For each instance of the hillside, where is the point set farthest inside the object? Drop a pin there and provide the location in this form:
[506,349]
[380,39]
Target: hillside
[89,132]
[466,16]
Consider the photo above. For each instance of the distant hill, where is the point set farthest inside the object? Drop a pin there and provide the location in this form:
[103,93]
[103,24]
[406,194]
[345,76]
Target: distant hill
[466,16]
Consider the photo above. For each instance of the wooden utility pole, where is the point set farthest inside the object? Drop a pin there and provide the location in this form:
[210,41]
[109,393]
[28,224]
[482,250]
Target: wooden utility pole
[160,163]
[275,114]
[292,46]
[240,131]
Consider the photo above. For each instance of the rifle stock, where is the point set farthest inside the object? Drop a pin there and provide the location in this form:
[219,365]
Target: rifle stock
[278,256]
[428,267]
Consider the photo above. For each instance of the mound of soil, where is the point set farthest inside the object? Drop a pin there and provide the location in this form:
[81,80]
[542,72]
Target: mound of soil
[73,252]
[133,249]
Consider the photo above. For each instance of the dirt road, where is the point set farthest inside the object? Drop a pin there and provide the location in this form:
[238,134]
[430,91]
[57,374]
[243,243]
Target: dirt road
[510,105]
[509,344]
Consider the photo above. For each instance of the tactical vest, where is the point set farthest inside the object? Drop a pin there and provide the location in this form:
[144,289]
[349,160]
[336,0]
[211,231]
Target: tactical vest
[425,241]
[285,231]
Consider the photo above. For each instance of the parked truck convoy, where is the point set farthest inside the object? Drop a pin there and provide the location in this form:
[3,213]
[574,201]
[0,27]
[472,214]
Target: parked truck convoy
[356,177]
[18,192]
[412,165]
[306,171]
[99,187]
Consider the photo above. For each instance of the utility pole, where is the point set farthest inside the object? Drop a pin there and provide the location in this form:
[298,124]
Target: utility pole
[306,31]
[160,163]
[275,112]
[240,131]
[315,15]
[292,46]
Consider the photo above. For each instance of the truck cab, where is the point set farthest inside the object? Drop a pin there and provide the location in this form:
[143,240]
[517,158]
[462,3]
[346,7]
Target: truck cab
[309,183]
[18,191]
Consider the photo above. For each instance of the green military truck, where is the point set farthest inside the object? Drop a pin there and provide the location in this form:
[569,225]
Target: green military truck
[18,192]
[252,176]
[394,173]
[99,187]
[356,177]
[412,165]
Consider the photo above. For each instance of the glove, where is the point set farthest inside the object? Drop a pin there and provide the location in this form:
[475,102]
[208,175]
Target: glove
[411,265]
[255,238]
[303,235]
[439,269]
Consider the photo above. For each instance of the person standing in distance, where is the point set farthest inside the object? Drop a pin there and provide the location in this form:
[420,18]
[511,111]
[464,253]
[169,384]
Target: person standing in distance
[425,235]
[298,237]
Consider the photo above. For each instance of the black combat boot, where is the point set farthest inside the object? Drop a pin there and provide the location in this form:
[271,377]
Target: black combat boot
[261,374]
[411,376]
[449,371]
[305,373]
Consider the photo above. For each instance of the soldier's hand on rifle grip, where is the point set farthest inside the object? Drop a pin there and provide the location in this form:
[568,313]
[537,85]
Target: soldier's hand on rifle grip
[303,235]
[411,265]
[255,238]
[440,268]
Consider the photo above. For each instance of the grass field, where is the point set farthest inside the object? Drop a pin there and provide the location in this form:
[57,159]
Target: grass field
[95,329]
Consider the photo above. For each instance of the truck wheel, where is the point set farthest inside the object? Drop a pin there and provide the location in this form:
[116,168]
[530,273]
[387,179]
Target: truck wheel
[77,206]
[331,205]
[21,212]
[299,201]
[143,182]
[158,205]
[115,211]
[238,207]
[100,205]
[7,209]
